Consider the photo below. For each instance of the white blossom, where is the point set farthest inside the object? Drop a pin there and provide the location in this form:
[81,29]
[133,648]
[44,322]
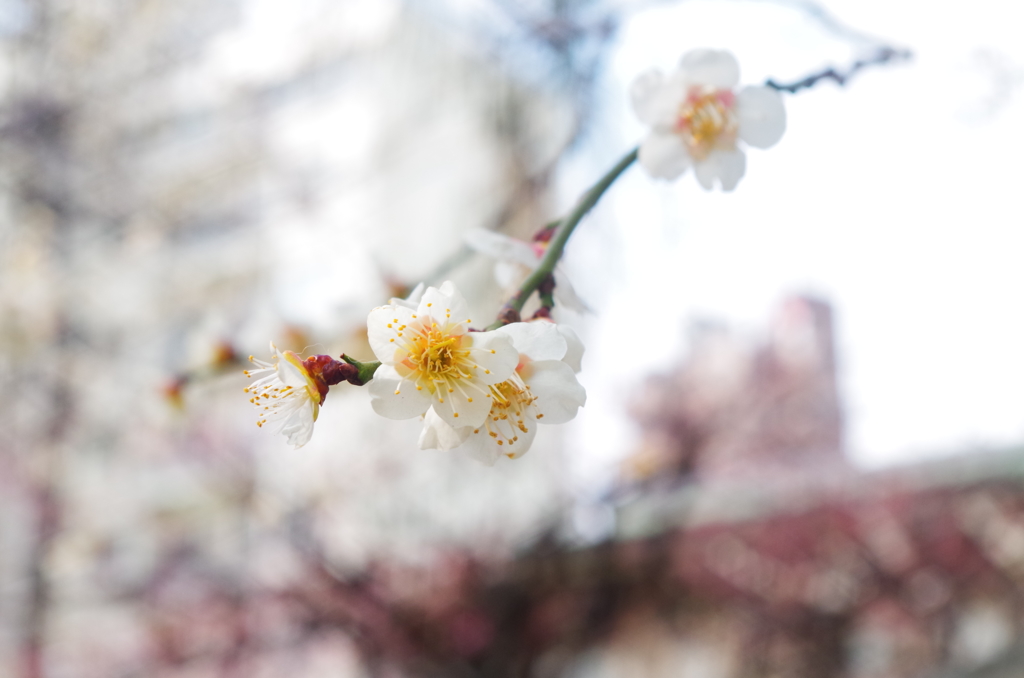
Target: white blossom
[697,119]
[285,391]
[543,389]
[516,259]
[429,358]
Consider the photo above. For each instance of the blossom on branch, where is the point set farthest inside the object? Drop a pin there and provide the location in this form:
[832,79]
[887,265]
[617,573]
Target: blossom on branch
[516,259]
[697,119]
[542,389]
[291,390]
[429,358]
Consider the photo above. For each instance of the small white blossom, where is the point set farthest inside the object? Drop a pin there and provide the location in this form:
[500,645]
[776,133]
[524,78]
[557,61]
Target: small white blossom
[516,259]
[430,358]
[543,389]
[696,119]
[285,391]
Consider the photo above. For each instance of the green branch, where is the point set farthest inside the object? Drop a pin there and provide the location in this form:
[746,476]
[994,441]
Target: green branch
[510,312]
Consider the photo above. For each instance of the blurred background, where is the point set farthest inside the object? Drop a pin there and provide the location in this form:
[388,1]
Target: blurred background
[803,448]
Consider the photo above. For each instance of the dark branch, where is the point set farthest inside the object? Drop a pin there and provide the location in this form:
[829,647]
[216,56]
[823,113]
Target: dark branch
[884,55]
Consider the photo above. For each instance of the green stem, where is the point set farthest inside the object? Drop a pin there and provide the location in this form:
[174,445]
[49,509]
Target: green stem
[366,370]
[560,238]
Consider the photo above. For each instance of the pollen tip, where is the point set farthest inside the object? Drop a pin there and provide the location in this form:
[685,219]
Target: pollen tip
[492,350]
[455,414]
[429,305]
[476,430]
[398,392]
[251,358]
[540,416]
[470,399]
[487,371]
[419,388]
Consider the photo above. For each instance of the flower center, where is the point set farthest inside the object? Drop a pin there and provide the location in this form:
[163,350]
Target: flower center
[706,120]
[512,403]
[438,354]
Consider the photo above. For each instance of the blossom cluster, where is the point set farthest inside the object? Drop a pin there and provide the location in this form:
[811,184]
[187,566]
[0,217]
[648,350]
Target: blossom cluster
[486,391]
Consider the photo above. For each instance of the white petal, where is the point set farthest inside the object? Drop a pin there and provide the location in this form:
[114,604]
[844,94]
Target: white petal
[565,293]
[558,393]
[536,340]
[656,100]
[574,348]
[437,435]
[510,274]
[291,372]
[394,397]
[298,428]
[725,166]
[664,155]
[482,447]
[382,326]
[494,354]
[521,446]
[710,67]
[501,246]
[762,117]
[411,301]
[464,405]
[444,302]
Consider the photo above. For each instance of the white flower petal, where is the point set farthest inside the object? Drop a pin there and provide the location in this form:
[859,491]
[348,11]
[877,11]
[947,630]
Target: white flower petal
[494,354]
[761,115]
[445,305]
[290,370]
[574,347]
[382,326]
[519,447]
[480,446]
[565,293]
[664,156]
[438,435]
[711,68]
[464,405]
[394,397]
[510,274]
[298,428]
[501,246]
[656,100]
[558,394]
[726,166]
[536,340]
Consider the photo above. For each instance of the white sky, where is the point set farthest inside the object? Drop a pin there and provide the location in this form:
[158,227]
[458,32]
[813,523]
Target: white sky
[897,198]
